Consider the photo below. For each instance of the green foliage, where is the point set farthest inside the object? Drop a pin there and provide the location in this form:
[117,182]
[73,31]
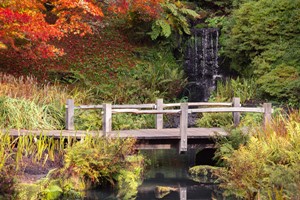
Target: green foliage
[263,36]
[96,161]
[124,121]
[282,83]
[251,120]
[174,18]
[88,120]
[160,73]
[91,162]
[160,28]
[156,74]
[36,117]
[130,178]
[217,21]
[37,149]
[209,120]
[245,89]
[268,165]
[52,192]
[227,145]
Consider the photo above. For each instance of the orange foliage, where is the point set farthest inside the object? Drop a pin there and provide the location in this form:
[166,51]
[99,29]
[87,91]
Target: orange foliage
[27,25]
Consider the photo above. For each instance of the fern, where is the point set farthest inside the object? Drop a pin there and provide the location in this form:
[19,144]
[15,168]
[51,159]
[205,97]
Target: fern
[165,27]
[175,19]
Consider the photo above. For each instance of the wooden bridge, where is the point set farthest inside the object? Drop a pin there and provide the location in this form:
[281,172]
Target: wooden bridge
[159,137]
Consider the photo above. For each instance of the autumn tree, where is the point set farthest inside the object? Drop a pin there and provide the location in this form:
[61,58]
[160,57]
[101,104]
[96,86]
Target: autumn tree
[28,25]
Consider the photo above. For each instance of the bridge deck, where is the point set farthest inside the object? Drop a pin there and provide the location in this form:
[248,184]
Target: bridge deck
[141,134]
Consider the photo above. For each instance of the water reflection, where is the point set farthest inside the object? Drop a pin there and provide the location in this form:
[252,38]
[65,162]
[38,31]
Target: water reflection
[168,169]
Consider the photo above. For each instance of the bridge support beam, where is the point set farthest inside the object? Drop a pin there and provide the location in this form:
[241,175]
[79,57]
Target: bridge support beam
[183,127]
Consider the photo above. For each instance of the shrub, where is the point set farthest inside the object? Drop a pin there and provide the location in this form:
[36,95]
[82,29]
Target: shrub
[282,84]
[262,39]
[268,165]
[95,161]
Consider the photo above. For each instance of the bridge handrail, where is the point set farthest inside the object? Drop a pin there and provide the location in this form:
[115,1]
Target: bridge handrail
[199,104]
[158,110]
[153,106]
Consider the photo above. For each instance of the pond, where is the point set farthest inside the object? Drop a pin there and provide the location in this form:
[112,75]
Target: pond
[167,169]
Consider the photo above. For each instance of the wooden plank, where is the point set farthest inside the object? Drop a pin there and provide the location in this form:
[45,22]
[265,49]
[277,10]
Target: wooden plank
[159,117]
[227,109]
[137,106]
[125,106]
[136,111]
[236,102]
[183,127]
[170,133]
[107,118]
[70,115]
[85,107]
[199,104]
[154,146]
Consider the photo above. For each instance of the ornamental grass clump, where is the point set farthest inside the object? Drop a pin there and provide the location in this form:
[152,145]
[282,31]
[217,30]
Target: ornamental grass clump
[268,165]
[97,161]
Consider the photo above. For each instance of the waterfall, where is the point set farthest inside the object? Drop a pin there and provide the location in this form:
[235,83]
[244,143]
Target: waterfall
[201,63]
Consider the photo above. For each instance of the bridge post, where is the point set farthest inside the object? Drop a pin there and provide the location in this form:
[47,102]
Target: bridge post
[183,127]
[267,113]
[159,117]
[182,193]
[106,119]
[236,102]
[70,114]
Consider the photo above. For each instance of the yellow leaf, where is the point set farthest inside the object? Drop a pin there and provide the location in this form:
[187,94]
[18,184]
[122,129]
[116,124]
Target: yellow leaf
[2,45]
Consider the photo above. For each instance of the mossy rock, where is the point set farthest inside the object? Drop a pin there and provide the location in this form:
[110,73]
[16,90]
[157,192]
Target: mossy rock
[204,173]
[162,191]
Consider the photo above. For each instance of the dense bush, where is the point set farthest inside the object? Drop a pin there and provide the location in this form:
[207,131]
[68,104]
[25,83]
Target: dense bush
[282,83]
[262,39]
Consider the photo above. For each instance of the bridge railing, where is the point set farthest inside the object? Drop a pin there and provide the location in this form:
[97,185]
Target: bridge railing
[159,109]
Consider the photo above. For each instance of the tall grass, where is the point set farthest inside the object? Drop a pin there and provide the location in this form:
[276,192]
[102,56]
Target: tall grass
[268,166]
[27,104]
[28,87]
